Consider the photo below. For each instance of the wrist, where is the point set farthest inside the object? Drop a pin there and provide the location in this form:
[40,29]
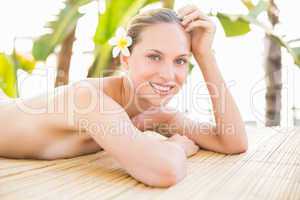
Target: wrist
[175,124]
[178,145]
[201,53]
[203,58]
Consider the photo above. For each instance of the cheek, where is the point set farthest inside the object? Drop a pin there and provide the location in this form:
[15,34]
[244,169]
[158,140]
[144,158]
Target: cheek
[140,73]
[141,69]
[181,75]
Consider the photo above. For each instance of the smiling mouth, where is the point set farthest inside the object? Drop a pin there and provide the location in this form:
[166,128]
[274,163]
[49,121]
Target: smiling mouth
[161,89]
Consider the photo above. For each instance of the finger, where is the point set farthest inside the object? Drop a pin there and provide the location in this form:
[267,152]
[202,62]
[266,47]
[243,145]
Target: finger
[185,137]
[190,17]
[185,10]
[196,148]
[198,23]
[193,16]
[203,15]
[193,145]
[192,151]
[134,120]
[137,124]
[176,135]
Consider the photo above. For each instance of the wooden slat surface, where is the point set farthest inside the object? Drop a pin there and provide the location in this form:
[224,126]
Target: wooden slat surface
[269,170]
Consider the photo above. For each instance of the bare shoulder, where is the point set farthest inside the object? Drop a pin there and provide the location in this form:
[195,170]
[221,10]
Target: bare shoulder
[111,86]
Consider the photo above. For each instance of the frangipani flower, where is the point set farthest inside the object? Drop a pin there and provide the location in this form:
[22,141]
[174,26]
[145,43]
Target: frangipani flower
[121,41]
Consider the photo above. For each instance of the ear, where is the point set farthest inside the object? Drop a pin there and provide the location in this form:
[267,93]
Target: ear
[124,62]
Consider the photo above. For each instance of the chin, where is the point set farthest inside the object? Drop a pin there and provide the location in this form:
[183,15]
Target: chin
[160,101]
[155,97]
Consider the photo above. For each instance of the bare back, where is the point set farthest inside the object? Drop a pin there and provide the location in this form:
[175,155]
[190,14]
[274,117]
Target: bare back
[37,127]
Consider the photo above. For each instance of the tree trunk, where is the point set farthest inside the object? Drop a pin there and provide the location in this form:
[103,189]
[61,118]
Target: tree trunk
[64,59]
[272,72]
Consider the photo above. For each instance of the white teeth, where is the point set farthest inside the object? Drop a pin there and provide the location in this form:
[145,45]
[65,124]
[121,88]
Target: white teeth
[161,88]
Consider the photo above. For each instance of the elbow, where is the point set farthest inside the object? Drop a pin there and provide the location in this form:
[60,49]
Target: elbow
[163,168]
[172,174]
[236,150]
[236,147]
[244,147]
[173,170]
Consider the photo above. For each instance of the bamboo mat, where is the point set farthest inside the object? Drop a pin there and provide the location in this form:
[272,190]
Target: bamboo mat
[269,170]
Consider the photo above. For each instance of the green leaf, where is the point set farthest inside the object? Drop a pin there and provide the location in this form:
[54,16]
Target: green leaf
[25,62]
[117,13]
[109,20]
[42,47]
[279,40]
[168,3]
[152,1]
[294,51]
[294,40]
[261,6]
[191,66]
[296,55]
[249,4]
[61,27]
[8,76]
[234,25]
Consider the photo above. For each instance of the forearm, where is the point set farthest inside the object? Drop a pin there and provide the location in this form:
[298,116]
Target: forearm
[228,136]
[158,163]
[145,158]
[230,127]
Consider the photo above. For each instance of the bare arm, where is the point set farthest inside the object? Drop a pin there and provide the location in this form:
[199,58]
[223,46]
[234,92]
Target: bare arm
[230,129]
[229,135]
[145,158]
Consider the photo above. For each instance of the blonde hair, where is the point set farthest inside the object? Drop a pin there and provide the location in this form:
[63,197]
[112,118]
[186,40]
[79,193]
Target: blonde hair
[147,18]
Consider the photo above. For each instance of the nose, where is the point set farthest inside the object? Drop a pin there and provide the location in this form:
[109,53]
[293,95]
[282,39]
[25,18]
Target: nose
[167,72]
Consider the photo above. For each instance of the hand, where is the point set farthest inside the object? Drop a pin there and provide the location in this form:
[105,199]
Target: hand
[152,118]
[202,29]
[190,148]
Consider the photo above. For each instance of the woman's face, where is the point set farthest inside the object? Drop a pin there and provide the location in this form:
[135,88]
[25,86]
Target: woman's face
[158,64]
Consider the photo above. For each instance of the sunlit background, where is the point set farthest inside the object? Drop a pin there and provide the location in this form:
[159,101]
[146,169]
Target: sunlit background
[240,58]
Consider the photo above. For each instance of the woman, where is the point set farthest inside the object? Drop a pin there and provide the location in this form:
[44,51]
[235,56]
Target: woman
[111,113]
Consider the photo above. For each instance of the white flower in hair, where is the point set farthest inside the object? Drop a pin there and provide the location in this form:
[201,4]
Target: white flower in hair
[121,41]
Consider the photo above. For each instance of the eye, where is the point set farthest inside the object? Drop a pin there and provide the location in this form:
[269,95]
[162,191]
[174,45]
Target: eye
[181,61]
[154,57]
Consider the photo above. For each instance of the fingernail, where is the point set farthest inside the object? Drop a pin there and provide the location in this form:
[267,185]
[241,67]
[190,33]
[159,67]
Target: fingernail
[180,17]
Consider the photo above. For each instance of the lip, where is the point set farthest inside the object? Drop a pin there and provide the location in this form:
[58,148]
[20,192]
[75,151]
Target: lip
[160,91]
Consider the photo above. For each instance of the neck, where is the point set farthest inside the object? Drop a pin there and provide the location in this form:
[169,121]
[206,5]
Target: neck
[130,101]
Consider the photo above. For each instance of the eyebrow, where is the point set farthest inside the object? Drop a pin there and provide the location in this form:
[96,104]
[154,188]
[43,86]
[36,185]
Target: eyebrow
[162,52]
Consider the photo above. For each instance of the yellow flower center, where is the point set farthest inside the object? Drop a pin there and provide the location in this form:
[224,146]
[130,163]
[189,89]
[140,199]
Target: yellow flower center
[122,43]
